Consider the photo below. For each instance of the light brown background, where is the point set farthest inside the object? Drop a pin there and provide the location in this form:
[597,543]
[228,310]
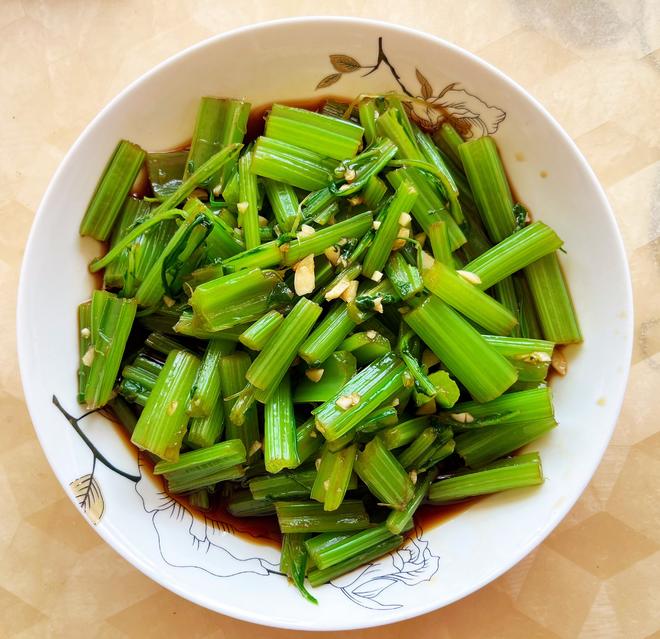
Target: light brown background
[594,64]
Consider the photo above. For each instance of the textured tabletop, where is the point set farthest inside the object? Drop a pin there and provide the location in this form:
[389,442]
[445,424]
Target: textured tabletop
[594,64]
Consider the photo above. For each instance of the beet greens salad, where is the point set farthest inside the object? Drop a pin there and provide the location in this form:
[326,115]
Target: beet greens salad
[331,324]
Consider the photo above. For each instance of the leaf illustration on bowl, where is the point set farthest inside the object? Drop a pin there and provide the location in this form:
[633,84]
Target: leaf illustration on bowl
[89,496]
[467,113]
[410,565]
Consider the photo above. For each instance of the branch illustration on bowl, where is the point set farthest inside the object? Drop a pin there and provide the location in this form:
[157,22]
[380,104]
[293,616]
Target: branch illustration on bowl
[470,115]
[198,542]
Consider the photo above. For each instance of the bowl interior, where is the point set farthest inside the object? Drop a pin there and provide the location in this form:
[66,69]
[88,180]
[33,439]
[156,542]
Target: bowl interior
[287,60]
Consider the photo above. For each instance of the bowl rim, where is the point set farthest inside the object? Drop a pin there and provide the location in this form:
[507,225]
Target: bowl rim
[407,612]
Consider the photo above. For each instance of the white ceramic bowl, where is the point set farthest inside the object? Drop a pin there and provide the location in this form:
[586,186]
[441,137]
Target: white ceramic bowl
[282,60]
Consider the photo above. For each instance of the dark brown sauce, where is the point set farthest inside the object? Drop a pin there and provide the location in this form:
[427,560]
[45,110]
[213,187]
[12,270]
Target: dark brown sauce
[429,516]
[261,530]
[265,530]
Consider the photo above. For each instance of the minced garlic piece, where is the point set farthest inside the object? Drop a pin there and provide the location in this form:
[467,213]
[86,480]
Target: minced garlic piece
[376,276]
[351,292]
[304,280]
[88,357]
[347,401]
[427,261]
[559,362]
[337,290]
[462,418]
[332,254]
[469,276]
[314,374]
[306,231]
[405,219]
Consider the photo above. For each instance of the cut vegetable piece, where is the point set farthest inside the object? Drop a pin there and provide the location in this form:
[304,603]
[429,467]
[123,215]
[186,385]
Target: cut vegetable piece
[357,399]
[205,461]
[514,253]
[241,504]
[162,424]
[523,406]
[219,122]
[330,137]
[383,474]
[328,335]
[345,549]
[449,139]
[405,432]
[235,298]
[115,321]
[274,360]
[516,472]
[465,297]
[308,440]
[374,192]
[166,171]
[232,381]
[353,227]
[308,516]
[527,317]
[333,477]
[291,164]
[439,238]
[85,347]
[319,577]
[552,300]
[248,206]
[121,272]
[399,520]
[258,334]
[531,357]
[284,202]
[293,561]
[479,367]
[285,485]
[387,232]
[280,449]
[429,206]
[111,191]
[206,431]
[484,445]
[489,185]
[206,390]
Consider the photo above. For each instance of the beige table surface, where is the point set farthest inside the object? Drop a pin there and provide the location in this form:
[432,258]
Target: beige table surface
[594,64]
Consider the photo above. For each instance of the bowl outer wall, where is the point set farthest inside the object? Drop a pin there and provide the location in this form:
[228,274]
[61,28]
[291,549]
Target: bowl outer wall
[606,324]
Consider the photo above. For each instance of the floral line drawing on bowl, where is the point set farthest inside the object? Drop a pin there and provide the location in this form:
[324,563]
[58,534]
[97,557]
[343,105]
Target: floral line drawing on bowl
[197,542]
[410,565]
[467,113]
